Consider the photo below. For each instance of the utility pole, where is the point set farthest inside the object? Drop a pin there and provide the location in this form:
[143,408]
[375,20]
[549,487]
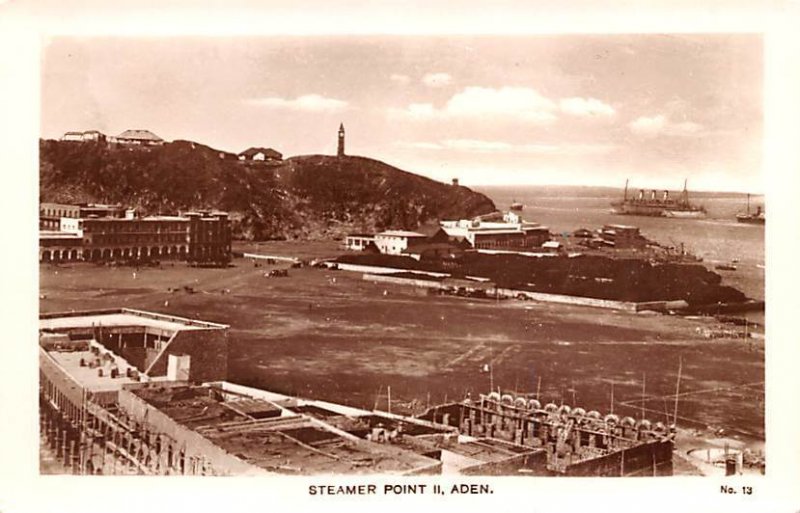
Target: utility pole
[644,383]
[612,397]
[677,390]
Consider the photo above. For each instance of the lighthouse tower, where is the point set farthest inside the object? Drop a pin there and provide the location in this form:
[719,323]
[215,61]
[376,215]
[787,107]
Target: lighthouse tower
[340,150]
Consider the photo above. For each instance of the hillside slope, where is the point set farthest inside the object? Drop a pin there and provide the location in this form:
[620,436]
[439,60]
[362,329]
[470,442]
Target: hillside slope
[306,197]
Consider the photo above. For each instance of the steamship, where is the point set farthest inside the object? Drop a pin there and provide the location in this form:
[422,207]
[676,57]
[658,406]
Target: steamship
[645,204]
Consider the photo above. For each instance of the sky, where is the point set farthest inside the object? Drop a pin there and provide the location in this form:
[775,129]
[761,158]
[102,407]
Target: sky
[489,110]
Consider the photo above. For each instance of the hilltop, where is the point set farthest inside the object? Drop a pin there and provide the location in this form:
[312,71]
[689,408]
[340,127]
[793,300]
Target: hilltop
[304,197]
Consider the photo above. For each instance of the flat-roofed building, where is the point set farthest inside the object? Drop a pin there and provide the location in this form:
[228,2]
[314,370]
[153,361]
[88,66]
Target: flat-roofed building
[394,242]
[495,231]
[622,236]
[87,136]
[72,137]
[359,241]
[51,214]
[141,340]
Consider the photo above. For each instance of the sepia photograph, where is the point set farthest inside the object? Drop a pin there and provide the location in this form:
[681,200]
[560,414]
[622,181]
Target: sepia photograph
[389,256]
[405,255]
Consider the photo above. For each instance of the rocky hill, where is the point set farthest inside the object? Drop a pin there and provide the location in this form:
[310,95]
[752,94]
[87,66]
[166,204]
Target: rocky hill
[305,197]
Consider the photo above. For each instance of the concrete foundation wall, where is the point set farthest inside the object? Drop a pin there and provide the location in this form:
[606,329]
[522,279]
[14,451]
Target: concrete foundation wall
[652,459]
[195,445]
[535,463]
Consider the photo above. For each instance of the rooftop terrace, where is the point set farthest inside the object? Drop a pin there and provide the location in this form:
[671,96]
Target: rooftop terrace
[119,318]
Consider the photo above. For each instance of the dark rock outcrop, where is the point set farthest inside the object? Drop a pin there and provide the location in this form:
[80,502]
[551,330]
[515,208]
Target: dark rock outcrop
[305,197]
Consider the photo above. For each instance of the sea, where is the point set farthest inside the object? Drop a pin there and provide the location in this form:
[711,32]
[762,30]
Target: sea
[717,239]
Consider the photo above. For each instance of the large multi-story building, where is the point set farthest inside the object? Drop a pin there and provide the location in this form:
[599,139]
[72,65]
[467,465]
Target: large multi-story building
[90,233]
[52,215]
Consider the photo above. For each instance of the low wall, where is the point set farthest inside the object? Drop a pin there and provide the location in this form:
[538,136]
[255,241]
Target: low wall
[374,274]
[382,270]
[270,257]
[570,300]
[377,278]
[662,306]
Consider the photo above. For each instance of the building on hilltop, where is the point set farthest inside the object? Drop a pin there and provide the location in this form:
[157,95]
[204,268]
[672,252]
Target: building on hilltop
[137,138]
[265,155]
[93,136]
[72,137]
[340,148]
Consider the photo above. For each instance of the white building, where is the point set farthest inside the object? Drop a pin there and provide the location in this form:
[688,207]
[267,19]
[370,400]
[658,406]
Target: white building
[496,231]
[394,242]
[260,155]
[72,136]
[359,241]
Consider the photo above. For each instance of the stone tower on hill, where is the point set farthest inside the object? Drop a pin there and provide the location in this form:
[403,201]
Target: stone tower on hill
[340,150]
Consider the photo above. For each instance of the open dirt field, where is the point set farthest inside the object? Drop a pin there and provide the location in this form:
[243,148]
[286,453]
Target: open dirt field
[331,335]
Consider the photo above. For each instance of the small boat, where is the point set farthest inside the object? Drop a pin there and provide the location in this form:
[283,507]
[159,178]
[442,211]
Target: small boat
[516,206]
[725,267]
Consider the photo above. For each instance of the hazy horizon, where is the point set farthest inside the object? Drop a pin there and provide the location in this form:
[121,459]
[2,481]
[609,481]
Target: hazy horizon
[489,110]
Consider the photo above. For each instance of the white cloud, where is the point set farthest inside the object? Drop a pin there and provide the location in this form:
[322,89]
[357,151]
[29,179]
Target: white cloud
[519,103]
[661,125]
[437,79]
[481,146]
[507,103]
[305,103]
[400,79]
[586,107]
